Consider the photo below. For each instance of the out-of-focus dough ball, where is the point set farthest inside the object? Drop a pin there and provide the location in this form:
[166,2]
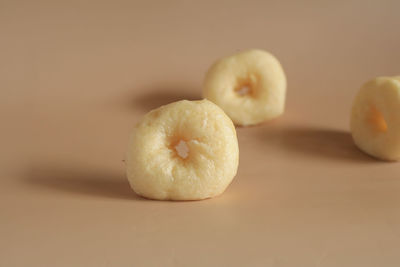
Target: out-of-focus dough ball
[375,118]
[249,86]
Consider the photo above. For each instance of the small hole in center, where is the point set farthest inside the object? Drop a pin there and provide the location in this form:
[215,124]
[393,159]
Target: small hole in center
[376,120]
[247,85]
[243,90]
[182,149]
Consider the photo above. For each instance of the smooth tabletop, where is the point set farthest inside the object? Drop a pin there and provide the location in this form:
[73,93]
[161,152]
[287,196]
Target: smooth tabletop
[75,77]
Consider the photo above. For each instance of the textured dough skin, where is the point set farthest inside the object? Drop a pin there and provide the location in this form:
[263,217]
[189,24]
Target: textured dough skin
[384,94]
[260,68]
[155,170]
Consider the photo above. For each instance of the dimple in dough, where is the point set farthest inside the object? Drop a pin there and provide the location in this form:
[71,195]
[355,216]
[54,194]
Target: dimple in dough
[186,150]
[375,118]
[249,86]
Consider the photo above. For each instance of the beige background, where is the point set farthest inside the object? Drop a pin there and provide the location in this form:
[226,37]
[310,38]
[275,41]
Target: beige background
[75,76]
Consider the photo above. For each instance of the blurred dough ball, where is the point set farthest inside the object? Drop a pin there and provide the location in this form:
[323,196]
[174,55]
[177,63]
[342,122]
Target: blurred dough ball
[249,86]
[375,118]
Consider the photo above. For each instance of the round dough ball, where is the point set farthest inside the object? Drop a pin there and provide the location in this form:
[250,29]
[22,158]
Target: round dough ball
[186,150]
[375,118]
[249,86]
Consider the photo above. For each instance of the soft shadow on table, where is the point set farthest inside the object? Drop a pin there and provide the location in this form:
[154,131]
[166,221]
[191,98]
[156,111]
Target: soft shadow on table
[88,182]
[316,142]
[151,98]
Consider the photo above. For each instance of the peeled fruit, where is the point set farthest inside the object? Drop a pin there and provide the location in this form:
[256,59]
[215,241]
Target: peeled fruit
[249,86]
[186,150]
[375,118]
